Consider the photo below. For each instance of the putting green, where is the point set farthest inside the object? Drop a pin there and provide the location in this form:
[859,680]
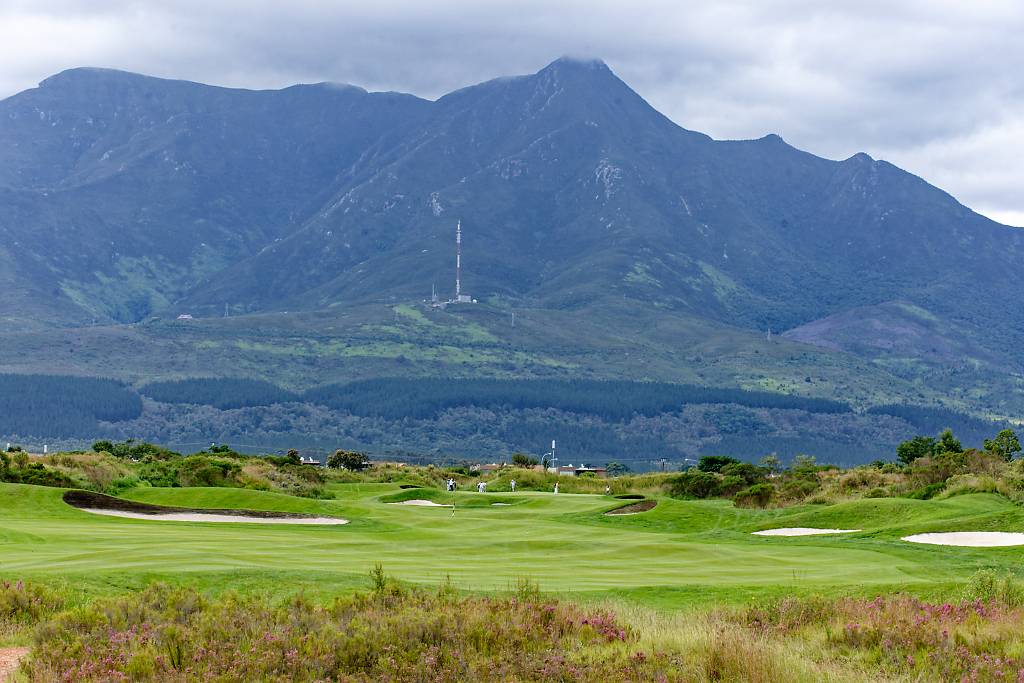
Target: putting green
[679,552]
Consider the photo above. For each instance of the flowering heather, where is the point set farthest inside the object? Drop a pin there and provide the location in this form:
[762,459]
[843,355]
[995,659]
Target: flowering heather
[903,637]
[23,604]
[174,634]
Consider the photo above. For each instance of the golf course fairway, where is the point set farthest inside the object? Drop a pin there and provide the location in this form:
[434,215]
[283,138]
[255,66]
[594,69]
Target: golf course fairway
[679,553]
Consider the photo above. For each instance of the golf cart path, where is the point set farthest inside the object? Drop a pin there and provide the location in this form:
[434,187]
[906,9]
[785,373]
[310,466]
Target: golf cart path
[10,657]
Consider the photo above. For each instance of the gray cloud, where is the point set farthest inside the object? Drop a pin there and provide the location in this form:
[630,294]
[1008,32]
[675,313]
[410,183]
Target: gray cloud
[932,86]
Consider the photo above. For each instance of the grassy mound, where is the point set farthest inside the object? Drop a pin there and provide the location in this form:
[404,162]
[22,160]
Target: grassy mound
[461,499]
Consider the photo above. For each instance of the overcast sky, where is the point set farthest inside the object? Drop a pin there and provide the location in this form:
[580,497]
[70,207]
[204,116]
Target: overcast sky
[935,86]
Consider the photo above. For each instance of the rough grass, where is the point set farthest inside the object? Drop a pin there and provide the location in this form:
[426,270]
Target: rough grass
[395,633]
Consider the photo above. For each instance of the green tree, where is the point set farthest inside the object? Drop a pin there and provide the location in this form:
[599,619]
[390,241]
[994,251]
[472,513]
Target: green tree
[104,446]
[715,463]
[772,463]
[804,465]
[292,457]
[523,460]
[1005,445]
[616,469]
[749,473]
[949,443]
[21,459]
[918,447]
[349,460]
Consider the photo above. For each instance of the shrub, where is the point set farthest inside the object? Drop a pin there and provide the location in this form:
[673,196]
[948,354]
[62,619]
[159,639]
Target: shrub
[758,495]
[927,492]
[798,489]
[23,604]
[974,483]
[730,485]
[201,470]
[986,586]
[694,484]
[715,463]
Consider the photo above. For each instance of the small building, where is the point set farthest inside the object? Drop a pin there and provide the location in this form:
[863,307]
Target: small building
[596,471]
[310,461]
[488,468]
[571,470]
[185,316]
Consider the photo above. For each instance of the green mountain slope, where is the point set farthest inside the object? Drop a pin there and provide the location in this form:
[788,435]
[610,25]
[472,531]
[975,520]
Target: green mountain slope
[319,217]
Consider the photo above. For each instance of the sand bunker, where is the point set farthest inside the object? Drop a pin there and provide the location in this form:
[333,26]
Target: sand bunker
[100,504]
[634,508]
[421,502]
[803,531]
[970,539]
[213,517]
[500,504]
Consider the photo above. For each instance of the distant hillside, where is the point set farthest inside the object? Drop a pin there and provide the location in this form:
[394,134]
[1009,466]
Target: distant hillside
[302,228]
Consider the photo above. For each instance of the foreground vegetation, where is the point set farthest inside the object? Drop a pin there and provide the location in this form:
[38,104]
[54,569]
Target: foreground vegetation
[396,633]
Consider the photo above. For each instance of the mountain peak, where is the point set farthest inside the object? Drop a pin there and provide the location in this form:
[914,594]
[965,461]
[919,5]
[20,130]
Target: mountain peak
[578,63]
[87,73]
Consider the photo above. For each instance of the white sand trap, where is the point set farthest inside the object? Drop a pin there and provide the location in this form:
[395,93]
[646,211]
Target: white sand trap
[422,503]
[969,539]
[803,531]
[501,504]
[212,517]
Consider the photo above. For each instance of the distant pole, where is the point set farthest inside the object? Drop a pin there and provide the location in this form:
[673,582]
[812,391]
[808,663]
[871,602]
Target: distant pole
[554,458]
[513,318]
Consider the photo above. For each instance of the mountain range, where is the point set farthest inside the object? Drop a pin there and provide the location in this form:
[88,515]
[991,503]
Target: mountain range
[127,200]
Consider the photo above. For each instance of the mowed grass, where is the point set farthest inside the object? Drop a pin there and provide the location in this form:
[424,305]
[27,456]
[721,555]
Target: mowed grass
[680,553]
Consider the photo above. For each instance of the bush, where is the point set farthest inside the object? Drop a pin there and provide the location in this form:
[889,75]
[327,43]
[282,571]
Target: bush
[24,604]
[749,473]
[986,586]
[757,496]
[694,484]
[715,463]
[927,492]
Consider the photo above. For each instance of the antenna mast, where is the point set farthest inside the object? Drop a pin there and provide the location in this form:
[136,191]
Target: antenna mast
[458,260]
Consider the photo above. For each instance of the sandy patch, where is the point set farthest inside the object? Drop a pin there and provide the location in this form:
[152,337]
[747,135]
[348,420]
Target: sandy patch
[422,503]
[500,504]
[213,517]
[969,539]
[9,659]
[803,531]
[633,508]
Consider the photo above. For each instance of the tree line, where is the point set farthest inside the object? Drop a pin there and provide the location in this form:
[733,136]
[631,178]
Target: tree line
[225,393]
[56,406]
[612,400]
